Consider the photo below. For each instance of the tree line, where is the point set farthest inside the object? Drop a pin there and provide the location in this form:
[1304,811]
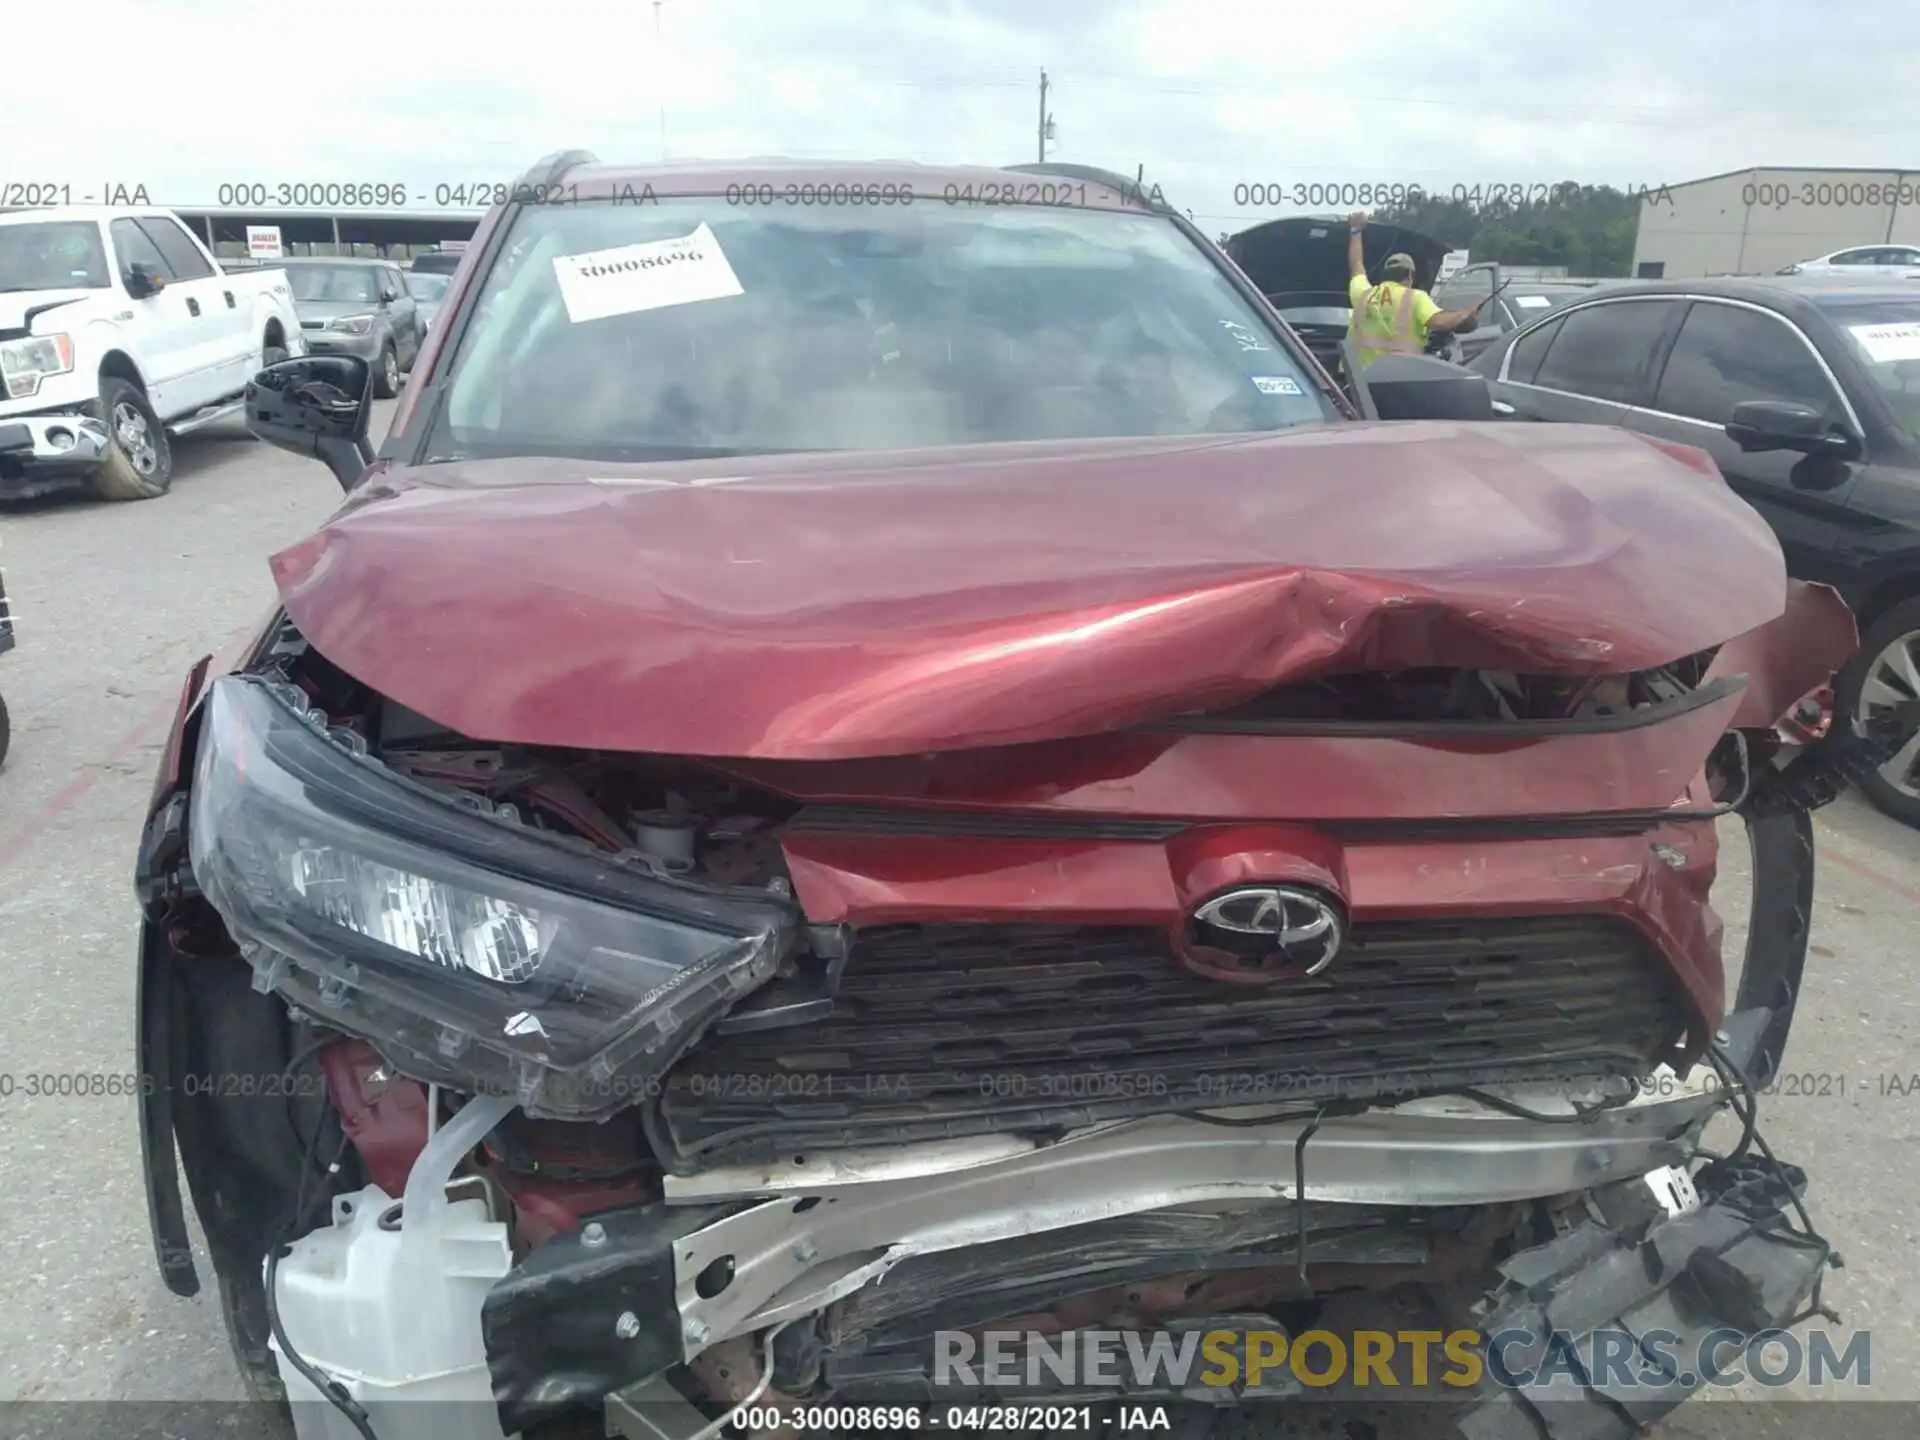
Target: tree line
[1590,229]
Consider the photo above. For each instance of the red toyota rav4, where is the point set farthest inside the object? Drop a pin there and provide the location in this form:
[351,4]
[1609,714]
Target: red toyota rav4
[879,756]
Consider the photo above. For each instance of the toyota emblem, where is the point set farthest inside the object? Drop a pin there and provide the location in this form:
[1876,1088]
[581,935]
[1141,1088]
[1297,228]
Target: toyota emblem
[1261,932]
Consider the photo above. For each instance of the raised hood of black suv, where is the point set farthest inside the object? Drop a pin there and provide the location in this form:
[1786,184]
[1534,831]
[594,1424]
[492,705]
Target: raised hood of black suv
[1308,253]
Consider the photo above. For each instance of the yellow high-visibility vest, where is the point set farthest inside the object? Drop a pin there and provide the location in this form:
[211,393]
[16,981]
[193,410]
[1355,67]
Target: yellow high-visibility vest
[1376,331]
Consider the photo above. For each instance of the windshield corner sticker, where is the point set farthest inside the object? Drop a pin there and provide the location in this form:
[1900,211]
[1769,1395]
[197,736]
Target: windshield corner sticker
[1898,340]
[647,276]
[1275,385]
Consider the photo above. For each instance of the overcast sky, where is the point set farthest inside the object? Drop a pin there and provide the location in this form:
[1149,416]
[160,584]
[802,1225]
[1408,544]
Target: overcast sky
[1206,94]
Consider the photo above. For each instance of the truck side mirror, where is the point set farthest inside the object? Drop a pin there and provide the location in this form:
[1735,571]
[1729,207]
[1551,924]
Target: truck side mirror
[142,280]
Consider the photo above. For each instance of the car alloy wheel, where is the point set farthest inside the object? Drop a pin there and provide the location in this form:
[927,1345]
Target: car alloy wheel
[130,432]
[390,363]
[1893,678]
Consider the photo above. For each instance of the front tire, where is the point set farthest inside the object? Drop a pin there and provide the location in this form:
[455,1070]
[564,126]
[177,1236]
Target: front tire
[139,459]
[1885,673]
[6,730]
[386,373]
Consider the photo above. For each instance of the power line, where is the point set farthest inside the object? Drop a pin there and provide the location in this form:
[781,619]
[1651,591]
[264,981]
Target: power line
[1653,114]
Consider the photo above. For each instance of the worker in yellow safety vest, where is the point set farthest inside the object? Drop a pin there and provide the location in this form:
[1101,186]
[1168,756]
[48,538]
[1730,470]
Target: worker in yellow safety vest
[1392,318]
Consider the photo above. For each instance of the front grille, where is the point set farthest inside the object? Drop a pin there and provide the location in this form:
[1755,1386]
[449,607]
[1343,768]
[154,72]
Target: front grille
[955,1030]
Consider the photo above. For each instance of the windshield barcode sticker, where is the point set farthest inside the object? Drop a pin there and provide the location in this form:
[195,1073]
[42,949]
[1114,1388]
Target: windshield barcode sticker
[648,276]
[1275,385]
[1883,343]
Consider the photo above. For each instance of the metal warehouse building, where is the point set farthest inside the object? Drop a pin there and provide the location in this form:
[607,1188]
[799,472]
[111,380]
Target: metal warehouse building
[1753,222]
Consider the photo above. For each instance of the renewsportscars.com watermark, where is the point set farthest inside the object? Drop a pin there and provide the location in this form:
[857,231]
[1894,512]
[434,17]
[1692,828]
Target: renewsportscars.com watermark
[1386,1360]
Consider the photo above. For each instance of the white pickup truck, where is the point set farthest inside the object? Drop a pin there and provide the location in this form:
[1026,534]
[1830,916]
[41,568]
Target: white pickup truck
[118,331]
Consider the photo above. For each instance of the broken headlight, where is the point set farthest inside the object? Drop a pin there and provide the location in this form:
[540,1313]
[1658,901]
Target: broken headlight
[470,950]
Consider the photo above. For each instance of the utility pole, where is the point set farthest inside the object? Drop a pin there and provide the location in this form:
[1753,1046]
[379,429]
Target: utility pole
[659,46]
[1043,117]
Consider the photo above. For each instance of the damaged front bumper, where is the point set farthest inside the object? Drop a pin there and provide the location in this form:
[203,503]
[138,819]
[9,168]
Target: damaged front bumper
[1427,1153]
[42,453]
[1639,1300]
[1638,1313]
[731,1252]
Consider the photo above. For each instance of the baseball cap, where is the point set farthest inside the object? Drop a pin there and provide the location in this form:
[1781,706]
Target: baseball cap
[1398,262]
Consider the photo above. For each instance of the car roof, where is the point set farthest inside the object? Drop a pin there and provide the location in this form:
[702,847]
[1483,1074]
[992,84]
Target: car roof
[1776,291]
[713,177]
[1866,245]
[94,213]
[1823,285]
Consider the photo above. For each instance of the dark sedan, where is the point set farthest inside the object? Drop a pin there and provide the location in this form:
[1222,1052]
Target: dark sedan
[1806,393]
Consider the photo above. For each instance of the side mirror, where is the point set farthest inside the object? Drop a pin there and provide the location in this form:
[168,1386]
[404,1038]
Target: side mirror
[142,280]
[1417,387]
[319,407]
[1760,425]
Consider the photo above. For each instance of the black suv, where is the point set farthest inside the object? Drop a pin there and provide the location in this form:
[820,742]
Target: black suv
[1806,392]
[437,262]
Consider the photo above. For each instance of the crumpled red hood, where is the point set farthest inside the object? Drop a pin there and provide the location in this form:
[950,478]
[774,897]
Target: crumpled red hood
[825,606]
